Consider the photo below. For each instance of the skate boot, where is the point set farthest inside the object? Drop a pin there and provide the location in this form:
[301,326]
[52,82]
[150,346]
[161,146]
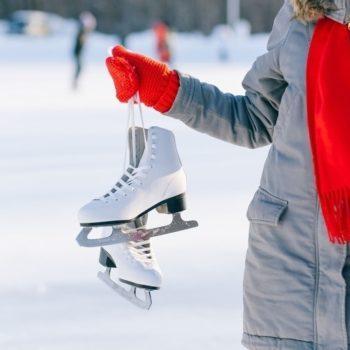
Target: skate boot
[136,268]
[157,182]
[159,179]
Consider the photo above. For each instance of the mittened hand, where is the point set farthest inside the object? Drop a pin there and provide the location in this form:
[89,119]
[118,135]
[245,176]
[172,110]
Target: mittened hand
[124,77]
[131,72]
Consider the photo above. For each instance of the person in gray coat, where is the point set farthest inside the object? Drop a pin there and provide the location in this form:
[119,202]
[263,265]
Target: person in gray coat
[296,282]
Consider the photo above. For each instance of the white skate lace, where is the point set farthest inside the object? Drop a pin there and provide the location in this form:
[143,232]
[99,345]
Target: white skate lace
[132,176]
[141,250]
[131,121]
[131,179]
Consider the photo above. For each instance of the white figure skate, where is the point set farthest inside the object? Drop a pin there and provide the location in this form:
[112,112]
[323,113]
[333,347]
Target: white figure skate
[135,266]
[153,180]
[159,179]
[158,182]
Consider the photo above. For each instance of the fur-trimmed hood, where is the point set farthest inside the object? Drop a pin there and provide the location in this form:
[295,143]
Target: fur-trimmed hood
[310,10]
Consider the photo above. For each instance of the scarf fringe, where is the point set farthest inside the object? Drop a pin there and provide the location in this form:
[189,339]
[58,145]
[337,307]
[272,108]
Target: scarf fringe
[336,211]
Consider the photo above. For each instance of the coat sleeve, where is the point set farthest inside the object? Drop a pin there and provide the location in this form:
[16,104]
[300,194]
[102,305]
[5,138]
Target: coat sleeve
[247,120]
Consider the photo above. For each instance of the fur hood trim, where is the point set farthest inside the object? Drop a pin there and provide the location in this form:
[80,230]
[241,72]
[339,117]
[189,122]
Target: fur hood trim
[311,10]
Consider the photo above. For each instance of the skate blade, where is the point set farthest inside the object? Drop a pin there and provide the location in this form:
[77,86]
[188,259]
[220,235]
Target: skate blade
[122,235]
[130,294]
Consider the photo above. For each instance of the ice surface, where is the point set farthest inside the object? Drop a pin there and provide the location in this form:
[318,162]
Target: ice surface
[59,149]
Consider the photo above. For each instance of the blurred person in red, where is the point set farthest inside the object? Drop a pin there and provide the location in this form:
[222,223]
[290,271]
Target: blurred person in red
[162,35]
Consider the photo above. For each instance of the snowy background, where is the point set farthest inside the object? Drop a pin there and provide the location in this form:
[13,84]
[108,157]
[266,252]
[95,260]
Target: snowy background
[60,148]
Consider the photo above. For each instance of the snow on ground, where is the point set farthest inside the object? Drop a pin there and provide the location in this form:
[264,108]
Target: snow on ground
[61,148]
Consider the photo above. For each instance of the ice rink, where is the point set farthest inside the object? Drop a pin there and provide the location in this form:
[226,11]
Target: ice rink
[61,148]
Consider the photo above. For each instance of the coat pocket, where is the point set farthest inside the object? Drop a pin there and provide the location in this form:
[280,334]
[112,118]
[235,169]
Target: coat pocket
[266,208]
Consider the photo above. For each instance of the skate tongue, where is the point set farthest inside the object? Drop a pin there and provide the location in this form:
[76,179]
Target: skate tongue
[136,154]
[140,143]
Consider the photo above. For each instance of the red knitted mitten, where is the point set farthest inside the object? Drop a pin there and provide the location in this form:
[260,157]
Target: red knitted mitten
[132,72]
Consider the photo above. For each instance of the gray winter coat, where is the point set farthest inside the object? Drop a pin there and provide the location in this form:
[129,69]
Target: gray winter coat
[295,284]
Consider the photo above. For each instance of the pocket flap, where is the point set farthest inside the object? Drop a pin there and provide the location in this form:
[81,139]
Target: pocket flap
[266,208]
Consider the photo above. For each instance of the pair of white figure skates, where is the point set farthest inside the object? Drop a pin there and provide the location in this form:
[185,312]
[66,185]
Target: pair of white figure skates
[154,179]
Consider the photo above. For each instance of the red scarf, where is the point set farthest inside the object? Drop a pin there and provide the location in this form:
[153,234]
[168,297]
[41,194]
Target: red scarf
[328,99]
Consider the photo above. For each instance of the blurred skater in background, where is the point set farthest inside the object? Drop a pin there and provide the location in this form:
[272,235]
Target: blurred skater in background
[162,35]
[86,24]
